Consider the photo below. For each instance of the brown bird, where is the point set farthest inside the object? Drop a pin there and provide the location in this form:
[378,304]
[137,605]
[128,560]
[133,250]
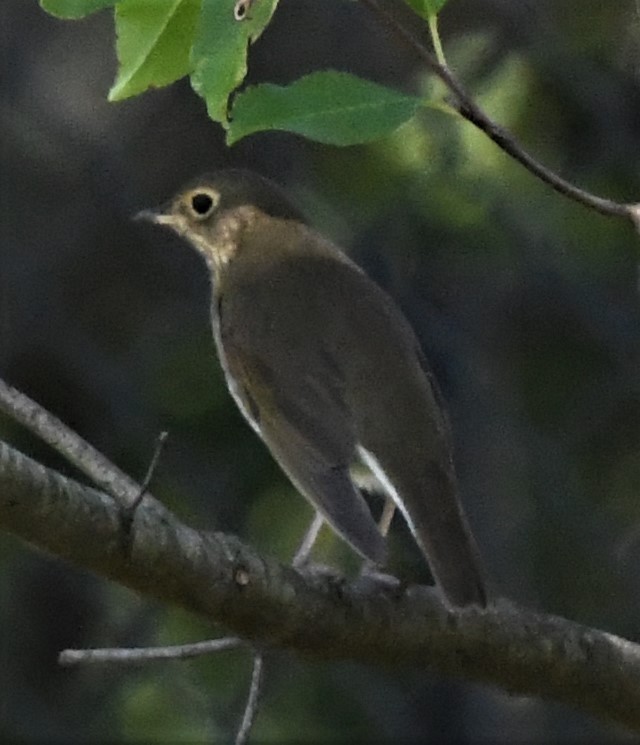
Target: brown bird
[327,371]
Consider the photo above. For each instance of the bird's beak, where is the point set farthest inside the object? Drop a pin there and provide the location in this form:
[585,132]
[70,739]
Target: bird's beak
[157,215]
[165,217]
[146,215]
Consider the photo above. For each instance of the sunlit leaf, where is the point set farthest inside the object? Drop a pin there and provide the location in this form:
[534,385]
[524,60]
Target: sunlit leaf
[154,43]
[331,107]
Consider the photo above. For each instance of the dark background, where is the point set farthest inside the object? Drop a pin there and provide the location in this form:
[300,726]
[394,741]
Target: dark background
[526,304]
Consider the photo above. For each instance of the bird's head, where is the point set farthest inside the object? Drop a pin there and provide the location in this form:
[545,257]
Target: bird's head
[209,210]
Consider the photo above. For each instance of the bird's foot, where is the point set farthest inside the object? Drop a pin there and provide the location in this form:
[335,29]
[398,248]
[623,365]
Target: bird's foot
[373,578]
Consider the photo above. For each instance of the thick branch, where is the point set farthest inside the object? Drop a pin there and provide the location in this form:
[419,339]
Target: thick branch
[274,605]
[469,109]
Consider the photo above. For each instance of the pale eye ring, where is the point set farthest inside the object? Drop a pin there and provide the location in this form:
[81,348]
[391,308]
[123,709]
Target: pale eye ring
[202,203]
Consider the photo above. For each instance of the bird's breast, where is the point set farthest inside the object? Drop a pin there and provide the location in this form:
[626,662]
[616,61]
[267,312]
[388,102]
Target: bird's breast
[232,373]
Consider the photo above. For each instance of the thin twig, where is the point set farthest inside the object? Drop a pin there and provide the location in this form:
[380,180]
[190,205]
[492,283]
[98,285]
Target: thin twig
[469,110]
[253,701]
[69,444]
[160,442]
[133,656]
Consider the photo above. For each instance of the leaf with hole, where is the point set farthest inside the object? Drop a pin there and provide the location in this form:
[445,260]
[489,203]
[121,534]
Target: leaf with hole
[219,55]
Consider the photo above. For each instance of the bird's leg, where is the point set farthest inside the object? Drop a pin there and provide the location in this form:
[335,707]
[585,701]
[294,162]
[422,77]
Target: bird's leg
[388,511]
[369,483]
[304,549]
[384,523]
[370,572]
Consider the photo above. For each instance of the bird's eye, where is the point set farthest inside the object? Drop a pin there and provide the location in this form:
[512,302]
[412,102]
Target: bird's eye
[202,204]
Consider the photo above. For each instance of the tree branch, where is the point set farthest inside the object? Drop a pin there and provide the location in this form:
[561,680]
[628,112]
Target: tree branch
[273,605]
[469,110]
[70,445]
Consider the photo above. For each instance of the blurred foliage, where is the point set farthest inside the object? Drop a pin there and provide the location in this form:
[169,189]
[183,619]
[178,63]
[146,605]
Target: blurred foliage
[526,304]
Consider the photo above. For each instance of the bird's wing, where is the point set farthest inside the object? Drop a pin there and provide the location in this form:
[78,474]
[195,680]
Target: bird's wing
[302,418]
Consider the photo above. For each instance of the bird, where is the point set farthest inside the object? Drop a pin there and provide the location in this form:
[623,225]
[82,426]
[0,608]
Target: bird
[328,372]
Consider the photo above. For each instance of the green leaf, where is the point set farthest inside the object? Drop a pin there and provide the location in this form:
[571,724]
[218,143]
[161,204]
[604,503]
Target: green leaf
[331,107]
[154,43]
[74,8]
[219,56]
[426,8]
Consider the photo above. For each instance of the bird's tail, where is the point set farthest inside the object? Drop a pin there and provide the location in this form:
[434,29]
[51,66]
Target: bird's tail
[430,504]
[441,530]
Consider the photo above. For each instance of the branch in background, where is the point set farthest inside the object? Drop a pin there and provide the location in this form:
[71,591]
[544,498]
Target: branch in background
[137,655]
[70,445]
[253,701]
[272,605]
[469,110]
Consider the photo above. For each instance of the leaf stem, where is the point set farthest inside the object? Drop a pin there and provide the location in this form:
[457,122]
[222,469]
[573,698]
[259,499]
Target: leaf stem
[435,39]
